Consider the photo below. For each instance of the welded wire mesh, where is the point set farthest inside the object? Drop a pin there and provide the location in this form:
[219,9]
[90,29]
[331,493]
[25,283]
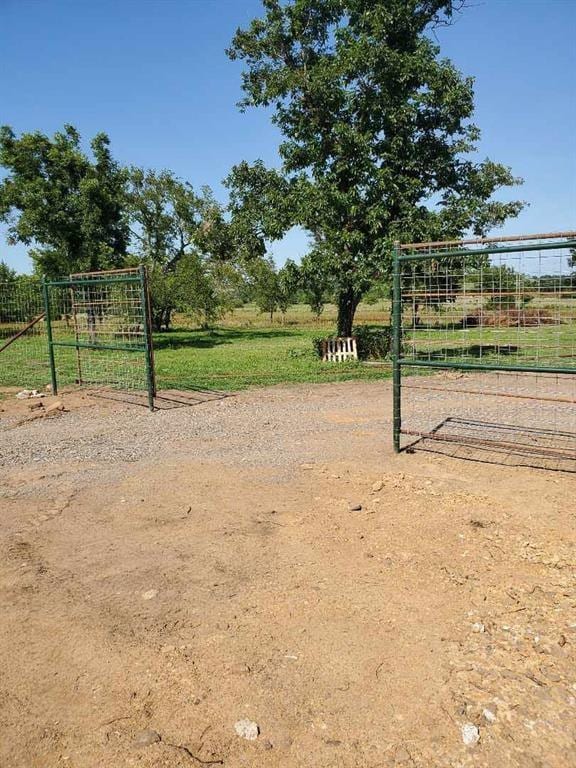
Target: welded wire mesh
[23,348]
[512,308]
[496,415]
[99,329]
[488,346]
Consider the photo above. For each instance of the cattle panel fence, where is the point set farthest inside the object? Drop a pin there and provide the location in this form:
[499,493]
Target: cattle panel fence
[89,329]
[484,347]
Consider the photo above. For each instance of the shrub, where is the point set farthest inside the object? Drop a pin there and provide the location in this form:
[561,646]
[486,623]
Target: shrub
[373,343]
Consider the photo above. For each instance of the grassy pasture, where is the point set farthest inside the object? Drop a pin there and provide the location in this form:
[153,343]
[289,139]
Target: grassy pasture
[246,350]
[447,333]
[243,350]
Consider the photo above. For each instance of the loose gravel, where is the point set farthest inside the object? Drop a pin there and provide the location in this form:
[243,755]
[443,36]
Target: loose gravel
[262,427]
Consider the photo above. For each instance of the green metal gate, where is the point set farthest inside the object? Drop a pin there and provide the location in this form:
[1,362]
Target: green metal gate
[98,331]
[484,344]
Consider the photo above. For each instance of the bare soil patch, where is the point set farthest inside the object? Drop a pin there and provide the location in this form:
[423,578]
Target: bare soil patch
[180,571]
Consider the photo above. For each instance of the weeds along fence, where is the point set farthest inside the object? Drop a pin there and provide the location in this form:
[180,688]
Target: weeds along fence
[484,348]
[90,329]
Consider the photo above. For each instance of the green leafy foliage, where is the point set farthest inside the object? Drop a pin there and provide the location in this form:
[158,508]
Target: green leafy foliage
[317,285]
[69,207]
[184,239]
[373,343]
[273,289]
[7,274]
[505,287]
[377,136]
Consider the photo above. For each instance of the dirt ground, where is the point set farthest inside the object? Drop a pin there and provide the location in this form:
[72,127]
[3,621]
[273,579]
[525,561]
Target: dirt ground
[184,570]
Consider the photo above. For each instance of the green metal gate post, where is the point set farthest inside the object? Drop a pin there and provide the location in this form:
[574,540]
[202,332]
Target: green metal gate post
[48,316]
[396,348]
[150,378]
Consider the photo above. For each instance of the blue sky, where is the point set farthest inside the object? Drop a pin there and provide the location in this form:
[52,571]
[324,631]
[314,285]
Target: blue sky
[153,74]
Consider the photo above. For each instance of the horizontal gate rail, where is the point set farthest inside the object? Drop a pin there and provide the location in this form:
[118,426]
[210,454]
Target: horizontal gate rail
[456,365]
[73,282]
[98,345]
[494,251]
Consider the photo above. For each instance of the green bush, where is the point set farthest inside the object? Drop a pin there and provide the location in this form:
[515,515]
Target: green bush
[372,343]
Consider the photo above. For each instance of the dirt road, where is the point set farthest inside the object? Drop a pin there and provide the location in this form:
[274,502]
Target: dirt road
[180,571]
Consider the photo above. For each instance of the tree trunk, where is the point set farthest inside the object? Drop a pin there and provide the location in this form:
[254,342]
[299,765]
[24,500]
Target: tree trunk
[167,318]
[348,301]
[161,317]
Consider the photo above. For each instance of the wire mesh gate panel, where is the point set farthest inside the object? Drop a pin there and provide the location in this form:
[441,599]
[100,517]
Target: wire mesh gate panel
[99,332]
[484,348]
[23,353]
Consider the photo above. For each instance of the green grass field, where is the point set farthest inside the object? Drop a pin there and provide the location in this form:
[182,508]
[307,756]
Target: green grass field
[243,350]
[246,350]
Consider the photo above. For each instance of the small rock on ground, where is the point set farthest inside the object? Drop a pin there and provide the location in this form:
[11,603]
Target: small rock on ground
[354,506]
[489,715]
[247,729]
[470,734]
[146,738]
[55,407]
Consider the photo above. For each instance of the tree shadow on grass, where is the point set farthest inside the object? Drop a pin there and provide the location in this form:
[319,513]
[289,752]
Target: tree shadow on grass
[474,350]
[176,339]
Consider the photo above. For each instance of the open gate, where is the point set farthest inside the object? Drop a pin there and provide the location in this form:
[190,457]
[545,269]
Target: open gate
[484,348]
[98,331]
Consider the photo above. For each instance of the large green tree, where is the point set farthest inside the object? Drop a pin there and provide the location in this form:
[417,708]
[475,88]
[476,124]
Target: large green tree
[377,138]
[191,248]
[68,206]
[169,218]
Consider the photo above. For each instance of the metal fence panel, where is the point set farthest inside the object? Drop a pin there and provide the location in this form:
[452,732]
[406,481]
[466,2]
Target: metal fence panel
[99,333]
[90,329]
[484,346]
[23,358]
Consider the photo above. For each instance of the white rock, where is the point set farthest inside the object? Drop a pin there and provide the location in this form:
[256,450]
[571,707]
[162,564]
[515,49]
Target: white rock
[478,627]
[470,734]
[150,594]
[247,729]
[489,715]
[27,393]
